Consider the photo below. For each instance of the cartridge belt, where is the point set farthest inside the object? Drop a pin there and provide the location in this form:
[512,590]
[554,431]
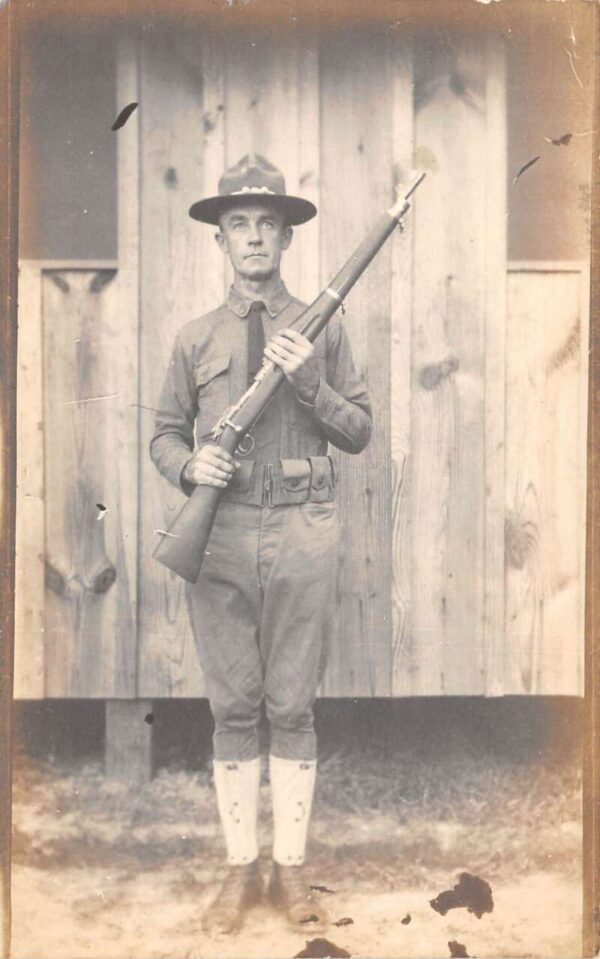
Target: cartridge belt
[286,482]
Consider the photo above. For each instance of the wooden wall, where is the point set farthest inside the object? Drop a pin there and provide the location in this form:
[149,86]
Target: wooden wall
[547,336]
[78,482]
[426,605]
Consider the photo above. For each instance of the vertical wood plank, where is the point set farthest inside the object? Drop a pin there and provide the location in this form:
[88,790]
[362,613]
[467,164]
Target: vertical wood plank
[447,414]
[89,444]
[400,353]
[213,157]
[29,559]
[494,642]
[306,241]
[181,127]
[270,106]
[126,359]
[585,415]
[128,741]
[545,425]
[356,184]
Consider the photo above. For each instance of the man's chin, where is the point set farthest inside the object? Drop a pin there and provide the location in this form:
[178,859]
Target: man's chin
[257,272]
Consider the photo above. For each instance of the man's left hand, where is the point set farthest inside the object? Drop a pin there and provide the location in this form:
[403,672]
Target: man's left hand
[295,355]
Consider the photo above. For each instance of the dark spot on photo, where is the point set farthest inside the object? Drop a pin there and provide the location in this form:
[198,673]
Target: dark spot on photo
[321,949]
[124,116]
[458,950]
[470,892]
[525,167]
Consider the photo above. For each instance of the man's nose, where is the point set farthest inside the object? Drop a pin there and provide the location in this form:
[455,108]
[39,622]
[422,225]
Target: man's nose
[254,236]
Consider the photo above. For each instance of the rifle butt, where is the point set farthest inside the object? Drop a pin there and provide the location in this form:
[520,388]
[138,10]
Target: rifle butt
[182,549]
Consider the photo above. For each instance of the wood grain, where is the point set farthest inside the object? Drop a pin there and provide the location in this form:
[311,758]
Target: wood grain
[356,185]
[478,450]
[29,559]
[89,420]
[400,368]
[545,430]
[176,127]
[127,283]
[448,343]
[495,646]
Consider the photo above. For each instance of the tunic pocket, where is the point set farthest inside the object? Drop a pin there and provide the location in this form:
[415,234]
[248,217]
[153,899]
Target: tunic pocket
[212,392]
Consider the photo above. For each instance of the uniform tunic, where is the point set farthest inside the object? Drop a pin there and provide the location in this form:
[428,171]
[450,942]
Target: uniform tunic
[262,608]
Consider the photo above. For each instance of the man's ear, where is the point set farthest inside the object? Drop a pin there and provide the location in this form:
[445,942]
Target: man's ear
[222,241]
[286,237]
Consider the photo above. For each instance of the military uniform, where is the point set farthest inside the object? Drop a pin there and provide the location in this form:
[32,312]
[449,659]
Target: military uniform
[262,608]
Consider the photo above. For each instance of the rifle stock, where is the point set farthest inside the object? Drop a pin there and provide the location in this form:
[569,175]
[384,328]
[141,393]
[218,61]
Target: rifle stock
[183,547]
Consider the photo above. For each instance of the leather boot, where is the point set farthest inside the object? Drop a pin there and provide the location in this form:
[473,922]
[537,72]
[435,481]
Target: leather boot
[241,889]
[290,893]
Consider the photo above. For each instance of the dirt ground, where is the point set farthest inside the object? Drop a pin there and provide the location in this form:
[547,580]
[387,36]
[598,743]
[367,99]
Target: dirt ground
[102,870]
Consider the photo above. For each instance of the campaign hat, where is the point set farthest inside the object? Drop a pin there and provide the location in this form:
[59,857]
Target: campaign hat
[253,178]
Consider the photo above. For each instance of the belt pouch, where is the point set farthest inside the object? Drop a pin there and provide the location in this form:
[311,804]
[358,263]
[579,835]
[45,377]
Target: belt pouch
[295,481]
[322,479]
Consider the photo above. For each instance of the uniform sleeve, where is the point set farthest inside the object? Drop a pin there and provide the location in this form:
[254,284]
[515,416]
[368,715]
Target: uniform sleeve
[172,443]
[342,406]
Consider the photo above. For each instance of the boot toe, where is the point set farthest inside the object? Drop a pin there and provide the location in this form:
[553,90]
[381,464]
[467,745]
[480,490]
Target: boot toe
[241,889]
[290,893]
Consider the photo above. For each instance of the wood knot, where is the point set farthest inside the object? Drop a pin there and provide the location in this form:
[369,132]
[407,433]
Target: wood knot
[431,376]
[60,282]
[101,279]
[519,541]
[103,579]
[170,178]
[54,579]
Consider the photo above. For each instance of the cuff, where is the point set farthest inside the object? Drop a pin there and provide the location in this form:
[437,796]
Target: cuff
[311,406]
[326,402]
[184,486]
[174,467]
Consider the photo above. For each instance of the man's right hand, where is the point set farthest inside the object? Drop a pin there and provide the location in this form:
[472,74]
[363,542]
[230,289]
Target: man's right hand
[210,466]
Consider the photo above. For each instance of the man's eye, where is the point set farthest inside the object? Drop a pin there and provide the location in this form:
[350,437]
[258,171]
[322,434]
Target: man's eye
[268,224]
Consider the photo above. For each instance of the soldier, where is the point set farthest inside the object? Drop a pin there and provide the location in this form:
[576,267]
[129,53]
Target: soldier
[261,610]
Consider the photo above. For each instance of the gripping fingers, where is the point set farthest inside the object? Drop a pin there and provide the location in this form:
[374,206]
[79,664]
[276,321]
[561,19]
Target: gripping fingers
[297,345]
[210,476]
[289,362]
[218,472]
[213,467]
[297,338]
[276,353]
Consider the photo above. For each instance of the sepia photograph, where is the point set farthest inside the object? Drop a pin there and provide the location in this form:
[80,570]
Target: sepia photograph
[303,339]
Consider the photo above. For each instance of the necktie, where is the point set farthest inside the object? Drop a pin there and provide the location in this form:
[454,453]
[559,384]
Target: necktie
[256,339]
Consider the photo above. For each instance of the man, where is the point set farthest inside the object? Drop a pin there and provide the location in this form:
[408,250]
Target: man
[263,605]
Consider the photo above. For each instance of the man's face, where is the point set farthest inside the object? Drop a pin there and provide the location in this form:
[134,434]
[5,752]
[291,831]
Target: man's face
[254,237]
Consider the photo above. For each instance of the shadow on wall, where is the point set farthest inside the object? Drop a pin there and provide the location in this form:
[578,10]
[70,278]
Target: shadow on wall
[521,730]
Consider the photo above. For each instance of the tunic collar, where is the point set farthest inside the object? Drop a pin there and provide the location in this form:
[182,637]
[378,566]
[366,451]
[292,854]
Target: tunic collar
[240,304]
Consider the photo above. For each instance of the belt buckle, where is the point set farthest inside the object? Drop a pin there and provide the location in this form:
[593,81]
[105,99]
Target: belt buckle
[268,487]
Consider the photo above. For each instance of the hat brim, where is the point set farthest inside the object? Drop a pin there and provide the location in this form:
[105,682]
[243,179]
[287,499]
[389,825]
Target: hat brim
[295,209]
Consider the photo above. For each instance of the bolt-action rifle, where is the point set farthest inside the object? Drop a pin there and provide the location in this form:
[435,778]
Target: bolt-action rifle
[182,548]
